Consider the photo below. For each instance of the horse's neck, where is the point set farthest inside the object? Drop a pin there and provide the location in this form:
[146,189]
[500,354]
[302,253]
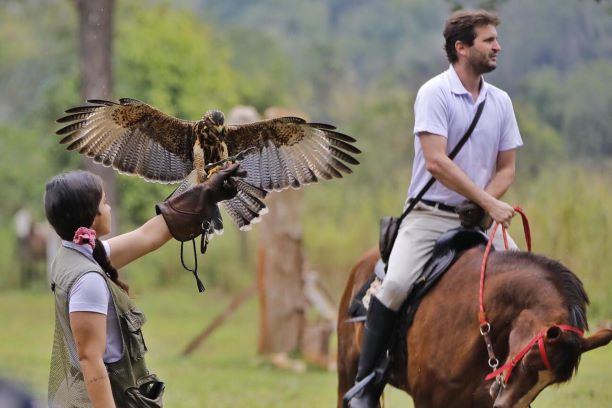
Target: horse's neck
[512,292]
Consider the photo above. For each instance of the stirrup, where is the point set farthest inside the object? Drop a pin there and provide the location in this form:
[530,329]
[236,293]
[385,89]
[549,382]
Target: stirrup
[355,389]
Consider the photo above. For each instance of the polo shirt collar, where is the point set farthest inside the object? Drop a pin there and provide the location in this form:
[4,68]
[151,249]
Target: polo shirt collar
[457,87]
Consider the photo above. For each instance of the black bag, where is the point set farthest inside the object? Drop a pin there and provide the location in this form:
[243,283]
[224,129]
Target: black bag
[389,226]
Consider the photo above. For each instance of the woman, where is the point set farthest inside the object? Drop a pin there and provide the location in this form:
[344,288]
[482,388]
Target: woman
[98,350]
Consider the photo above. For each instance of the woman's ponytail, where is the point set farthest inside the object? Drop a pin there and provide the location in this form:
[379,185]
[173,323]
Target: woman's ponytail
[100,256]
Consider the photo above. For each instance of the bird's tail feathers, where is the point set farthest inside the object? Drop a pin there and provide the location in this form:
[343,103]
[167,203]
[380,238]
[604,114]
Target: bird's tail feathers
[216,224]
[246,207]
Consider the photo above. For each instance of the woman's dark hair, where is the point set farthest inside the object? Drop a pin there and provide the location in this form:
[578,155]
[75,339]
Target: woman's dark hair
[460,27]
[71,201]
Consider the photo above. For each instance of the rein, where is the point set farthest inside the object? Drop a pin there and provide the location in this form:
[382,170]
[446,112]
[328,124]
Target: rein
[502,374]
[482,317]
[485,326]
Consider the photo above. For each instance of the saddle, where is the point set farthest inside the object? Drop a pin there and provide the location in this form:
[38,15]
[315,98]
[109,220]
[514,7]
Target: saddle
[446,250]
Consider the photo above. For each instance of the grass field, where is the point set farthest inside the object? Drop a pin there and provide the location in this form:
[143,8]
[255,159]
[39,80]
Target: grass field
[226,371]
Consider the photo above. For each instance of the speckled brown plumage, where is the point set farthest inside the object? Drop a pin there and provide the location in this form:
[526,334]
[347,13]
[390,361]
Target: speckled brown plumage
[136,138]
[132,137]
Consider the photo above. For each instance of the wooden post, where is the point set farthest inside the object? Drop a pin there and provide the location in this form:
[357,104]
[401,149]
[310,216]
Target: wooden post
[279,272]
[95,50]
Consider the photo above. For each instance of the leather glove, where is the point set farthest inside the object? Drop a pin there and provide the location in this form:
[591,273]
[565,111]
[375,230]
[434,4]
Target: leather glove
[186,214]
[472,215]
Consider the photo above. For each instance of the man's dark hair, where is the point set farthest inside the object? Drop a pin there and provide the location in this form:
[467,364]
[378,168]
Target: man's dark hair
[460,27]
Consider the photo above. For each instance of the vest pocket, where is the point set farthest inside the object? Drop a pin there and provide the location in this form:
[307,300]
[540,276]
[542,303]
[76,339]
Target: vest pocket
[134,319]
[147,393]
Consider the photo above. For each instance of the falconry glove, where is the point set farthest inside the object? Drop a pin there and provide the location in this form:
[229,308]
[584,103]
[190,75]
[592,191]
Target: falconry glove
[187,213]
[190,214]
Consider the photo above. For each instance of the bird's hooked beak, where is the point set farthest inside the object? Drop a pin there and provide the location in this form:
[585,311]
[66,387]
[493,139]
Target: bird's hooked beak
[220,131]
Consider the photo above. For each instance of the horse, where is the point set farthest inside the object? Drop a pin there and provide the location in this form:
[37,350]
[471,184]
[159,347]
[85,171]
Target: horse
[33,240]
[536,309]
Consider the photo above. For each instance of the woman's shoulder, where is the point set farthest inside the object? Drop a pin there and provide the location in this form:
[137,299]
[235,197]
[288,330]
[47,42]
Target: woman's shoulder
[89,293]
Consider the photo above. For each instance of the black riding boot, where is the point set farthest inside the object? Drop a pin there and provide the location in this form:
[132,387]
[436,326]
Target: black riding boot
[377,333]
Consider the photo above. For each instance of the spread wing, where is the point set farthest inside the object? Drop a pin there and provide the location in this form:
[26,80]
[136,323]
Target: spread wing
[132,137]
[289,152]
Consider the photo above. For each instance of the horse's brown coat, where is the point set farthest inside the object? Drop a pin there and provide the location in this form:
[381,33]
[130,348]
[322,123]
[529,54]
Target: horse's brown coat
[447,357]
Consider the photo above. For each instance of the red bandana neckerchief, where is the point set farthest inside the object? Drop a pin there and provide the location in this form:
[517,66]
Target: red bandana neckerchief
[85,236]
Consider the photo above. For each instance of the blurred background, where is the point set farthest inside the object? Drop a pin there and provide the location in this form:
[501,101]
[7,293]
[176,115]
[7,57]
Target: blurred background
[354,63]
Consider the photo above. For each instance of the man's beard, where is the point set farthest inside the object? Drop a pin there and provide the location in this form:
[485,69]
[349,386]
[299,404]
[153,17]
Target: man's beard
[481,64]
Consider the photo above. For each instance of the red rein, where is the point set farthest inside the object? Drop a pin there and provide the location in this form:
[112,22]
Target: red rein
[482,315]
[506,370]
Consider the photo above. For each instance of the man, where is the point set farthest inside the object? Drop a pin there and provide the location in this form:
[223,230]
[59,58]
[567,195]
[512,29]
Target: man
[481,172]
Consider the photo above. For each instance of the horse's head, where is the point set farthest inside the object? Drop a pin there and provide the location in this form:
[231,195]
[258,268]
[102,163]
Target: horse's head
[550,356]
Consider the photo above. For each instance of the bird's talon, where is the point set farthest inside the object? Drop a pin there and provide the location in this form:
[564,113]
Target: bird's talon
[213,170]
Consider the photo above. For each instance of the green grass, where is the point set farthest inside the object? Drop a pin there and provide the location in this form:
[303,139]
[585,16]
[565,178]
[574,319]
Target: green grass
[226,371]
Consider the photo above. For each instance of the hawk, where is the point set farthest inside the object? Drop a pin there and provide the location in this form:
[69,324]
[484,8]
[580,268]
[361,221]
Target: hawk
[136,138]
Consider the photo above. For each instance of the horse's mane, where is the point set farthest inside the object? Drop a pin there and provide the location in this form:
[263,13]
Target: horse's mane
[575,299]
[566,282]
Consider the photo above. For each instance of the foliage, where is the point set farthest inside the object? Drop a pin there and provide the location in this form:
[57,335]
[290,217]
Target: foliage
[543,146]
[169,59]
[264,73]
[578,110]
[561,34]
[587,111]
[37,53]
[26,185]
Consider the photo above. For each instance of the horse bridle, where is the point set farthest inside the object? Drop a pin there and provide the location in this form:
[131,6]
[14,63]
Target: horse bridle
[502,374]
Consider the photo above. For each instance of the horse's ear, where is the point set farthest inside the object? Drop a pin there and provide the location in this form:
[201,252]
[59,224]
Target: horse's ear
[553,333]
[601,338]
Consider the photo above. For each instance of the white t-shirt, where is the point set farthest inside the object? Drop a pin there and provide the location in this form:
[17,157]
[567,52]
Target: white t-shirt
[444,107]
[90,293]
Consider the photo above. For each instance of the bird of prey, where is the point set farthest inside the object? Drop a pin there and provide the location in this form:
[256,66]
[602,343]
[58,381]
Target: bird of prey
[136,138]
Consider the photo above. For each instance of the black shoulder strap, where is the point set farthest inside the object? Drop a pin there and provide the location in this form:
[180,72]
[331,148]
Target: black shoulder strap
[452,155]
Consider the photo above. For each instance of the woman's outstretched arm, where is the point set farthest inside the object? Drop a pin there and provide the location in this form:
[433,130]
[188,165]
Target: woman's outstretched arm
[130,246]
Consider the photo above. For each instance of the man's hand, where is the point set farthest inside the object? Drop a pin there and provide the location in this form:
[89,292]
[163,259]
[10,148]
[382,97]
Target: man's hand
[500,211]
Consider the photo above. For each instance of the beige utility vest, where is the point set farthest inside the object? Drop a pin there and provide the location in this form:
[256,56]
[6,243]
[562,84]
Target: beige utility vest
[131,382]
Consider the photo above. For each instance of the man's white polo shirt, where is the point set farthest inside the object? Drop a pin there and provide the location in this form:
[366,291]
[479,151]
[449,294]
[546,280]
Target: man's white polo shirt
[444,107]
